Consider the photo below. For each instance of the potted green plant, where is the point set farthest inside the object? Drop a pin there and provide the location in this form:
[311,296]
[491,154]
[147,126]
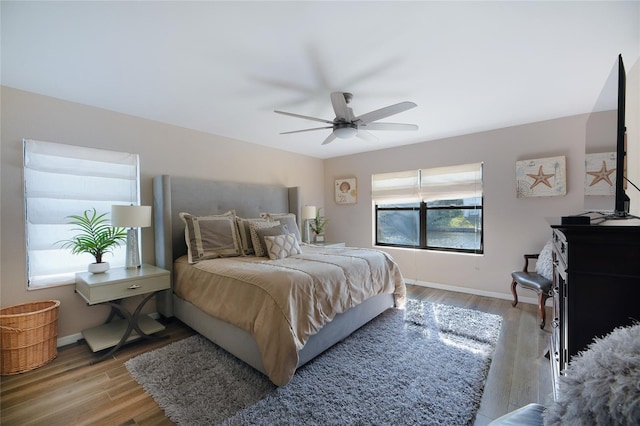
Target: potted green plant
[317,226]
[95,236]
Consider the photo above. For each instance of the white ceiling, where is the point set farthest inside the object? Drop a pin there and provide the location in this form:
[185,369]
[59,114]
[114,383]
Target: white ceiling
[223,67]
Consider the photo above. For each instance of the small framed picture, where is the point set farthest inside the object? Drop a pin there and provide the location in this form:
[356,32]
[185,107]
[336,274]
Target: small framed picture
[346,191]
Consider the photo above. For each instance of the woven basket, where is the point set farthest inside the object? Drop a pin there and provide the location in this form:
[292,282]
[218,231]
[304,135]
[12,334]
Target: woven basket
[28,336]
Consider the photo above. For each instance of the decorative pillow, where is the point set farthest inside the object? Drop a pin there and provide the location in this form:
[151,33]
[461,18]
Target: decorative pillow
[258,240]
[209,237]
[245,234]
[281,246]
[270,232]
[288,219]
[544,264]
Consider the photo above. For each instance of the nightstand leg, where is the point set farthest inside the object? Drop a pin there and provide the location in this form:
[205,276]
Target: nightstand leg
[132,324]
[114,311]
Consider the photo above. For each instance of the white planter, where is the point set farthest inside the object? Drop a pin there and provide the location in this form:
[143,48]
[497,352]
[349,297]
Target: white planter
[98,268]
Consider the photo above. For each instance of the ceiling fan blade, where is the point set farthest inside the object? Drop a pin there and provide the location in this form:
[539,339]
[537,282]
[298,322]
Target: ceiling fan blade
[322,120]
[339,103]
[387,126]
[385,112]
[306,130]
[329,139]
[364,135]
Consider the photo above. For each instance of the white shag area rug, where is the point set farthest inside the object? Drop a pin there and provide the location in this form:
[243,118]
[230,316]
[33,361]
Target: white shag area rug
[423,365]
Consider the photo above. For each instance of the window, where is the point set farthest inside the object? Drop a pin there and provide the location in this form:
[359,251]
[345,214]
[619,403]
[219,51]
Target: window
[61,180]
[432,209]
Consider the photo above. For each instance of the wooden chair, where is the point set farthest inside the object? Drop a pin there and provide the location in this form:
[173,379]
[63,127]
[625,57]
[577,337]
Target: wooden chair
[532,281]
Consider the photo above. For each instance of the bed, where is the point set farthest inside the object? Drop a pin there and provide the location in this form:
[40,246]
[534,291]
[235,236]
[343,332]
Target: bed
[275,346]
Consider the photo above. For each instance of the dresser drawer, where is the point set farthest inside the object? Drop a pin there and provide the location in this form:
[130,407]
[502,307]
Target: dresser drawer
[560,246]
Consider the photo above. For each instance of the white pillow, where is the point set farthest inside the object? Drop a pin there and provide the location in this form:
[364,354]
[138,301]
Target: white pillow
[281,246]
[544,264]
[288,219]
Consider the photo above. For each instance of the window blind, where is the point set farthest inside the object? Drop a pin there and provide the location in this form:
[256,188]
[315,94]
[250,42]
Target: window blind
[62,180]
[439,183]
[451,182]
[395,186]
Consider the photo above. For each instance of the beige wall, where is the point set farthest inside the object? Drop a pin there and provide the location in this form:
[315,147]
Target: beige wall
[512,226]
[163,149]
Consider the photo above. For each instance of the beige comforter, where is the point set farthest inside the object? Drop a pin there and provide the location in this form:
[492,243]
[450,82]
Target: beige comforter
[283,302]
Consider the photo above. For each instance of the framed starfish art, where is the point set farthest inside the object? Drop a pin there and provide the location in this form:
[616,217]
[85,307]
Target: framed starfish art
[542,177]
[600,174]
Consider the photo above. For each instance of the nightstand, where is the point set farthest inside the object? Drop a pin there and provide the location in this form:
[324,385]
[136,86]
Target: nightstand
[110,288]
[328,244]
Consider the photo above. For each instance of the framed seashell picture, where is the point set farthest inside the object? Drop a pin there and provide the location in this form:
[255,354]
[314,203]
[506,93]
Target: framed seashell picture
[346,191]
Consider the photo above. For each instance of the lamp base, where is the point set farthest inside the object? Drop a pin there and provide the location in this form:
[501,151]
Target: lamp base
[133,252]
[307,232]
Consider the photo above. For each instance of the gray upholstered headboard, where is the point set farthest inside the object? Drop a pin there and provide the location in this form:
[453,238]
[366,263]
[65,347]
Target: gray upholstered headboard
[172,195]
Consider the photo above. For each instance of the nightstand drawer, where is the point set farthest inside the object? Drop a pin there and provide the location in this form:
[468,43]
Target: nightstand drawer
[120,283]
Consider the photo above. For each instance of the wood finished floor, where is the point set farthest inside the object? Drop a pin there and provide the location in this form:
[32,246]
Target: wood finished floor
[69,391]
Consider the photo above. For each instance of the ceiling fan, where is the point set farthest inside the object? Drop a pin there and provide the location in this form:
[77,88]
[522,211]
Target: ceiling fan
[347,125]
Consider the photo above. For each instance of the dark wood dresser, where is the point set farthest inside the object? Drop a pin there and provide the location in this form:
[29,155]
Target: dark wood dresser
[596,285]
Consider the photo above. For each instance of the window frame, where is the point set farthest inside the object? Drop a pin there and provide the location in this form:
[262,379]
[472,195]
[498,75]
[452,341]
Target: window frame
[50,172]
[423,209]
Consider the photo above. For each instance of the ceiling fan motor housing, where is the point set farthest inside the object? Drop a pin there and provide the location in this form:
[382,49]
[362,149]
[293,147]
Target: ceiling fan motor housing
[345,130]
[345,125]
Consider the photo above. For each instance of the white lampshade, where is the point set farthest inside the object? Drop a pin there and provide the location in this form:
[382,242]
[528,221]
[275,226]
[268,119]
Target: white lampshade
[131,216]
[308,212]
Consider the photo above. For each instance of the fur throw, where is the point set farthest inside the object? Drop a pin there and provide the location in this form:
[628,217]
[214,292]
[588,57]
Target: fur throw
[602,384]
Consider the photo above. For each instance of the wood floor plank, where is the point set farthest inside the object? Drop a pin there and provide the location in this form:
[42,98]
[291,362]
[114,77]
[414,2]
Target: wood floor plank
[69,391]
[495,398]
[123,408]
[152,417]
[67,357]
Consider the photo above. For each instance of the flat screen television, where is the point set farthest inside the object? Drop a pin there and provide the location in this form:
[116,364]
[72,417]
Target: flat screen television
[605,183]
[622,200]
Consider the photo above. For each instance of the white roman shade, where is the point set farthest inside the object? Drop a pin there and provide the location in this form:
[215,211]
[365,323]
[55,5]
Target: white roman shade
[439,183]
[451,182]
[395,187]
[62,180]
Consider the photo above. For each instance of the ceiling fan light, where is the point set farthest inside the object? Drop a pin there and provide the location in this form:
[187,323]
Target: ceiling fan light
[345,132]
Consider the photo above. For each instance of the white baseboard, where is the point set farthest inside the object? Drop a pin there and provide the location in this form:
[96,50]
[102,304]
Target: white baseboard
[467,290]
[69,340]
[74,338]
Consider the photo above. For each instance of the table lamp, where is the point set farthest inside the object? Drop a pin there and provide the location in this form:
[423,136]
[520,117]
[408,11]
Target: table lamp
[131,217]
[308,213]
